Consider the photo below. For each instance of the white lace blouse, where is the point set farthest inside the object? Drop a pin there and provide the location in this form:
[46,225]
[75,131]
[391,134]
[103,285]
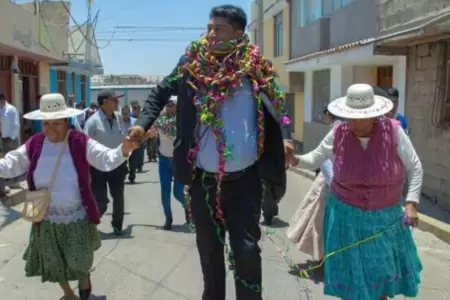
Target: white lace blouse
[66,204]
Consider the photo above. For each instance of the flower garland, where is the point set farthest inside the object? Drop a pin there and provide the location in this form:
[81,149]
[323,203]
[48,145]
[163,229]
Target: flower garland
[215,75]
[167,124]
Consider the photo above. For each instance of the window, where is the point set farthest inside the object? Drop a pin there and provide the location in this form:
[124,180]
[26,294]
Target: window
[278,35]
[328,6]
[321,93]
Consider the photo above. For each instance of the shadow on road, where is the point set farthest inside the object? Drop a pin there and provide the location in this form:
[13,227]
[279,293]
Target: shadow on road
[141,182]
[184,228]
[98,297]
[126,234]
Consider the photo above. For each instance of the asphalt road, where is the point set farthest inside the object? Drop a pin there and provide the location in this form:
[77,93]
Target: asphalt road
[149,263]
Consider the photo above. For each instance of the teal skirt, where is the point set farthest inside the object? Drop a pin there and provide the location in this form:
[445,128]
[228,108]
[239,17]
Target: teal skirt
[61,252]
[388,265]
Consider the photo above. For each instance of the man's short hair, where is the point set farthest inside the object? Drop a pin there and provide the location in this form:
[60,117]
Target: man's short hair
[126,108]
[235,15]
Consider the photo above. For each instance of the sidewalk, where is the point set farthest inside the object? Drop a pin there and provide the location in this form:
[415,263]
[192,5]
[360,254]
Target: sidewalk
[433,218]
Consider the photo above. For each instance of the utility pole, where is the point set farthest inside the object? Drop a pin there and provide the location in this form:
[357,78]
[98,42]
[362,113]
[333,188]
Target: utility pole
[89,35]
[260,25]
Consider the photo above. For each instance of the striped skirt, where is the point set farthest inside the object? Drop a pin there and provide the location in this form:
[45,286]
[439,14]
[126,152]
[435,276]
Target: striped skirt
[387,265]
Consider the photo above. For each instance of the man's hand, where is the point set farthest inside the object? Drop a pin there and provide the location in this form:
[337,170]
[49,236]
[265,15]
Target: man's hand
[289,153]
[136,133]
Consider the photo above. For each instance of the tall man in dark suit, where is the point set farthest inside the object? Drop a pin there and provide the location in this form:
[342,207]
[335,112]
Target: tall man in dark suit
[242,113]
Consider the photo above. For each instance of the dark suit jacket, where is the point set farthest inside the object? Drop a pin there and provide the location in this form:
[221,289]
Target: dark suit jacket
[271,165]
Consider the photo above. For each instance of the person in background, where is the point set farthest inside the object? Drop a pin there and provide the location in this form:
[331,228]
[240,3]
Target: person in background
[152,146]
[139,153]
[127,123]
[165,127]
[10,131]
[104,126]
[393,96]
[132,104]
[306,225]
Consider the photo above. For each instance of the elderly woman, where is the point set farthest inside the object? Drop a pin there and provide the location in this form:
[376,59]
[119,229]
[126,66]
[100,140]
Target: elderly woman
[165,129]
[62,245]
[371,154]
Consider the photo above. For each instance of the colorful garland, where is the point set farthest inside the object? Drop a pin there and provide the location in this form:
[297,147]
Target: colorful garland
[167,124]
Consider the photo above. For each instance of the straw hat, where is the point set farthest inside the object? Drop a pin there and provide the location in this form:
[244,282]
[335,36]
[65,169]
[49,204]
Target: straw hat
[52,107]
[360,103]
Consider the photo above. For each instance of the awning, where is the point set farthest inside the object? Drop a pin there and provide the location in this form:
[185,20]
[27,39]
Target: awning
[356,53]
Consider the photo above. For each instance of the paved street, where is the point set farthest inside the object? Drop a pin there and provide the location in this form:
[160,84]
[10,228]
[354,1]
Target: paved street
[150,263]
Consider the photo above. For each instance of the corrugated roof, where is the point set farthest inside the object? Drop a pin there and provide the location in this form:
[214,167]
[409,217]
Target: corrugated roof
[340,48]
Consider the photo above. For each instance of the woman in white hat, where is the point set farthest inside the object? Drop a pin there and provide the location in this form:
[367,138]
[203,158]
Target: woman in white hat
[64,238]
[371,153]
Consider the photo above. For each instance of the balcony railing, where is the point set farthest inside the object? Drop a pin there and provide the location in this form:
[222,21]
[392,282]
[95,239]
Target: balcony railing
[29,5]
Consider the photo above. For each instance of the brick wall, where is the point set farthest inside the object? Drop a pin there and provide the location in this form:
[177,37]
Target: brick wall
[398,13]
[432,144]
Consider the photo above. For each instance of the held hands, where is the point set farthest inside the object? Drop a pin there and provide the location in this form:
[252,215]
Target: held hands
[289,153]
[128,145]
[136,134]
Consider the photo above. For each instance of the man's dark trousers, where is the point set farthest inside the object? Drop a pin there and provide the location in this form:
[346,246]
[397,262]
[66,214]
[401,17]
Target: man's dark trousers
[115,181]
[133,165]
[241,203]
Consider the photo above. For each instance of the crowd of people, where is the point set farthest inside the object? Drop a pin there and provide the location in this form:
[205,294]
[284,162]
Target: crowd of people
[225,129]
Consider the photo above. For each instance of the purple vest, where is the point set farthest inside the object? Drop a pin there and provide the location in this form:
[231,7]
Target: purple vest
[371,178]
[77,146]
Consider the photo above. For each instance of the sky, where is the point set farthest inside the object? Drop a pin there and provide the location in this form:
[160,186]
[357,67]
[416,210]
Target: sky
[156,57]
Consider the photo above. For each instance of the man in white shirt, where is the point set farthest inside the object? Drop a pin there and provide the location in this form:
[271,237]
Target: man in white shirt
[10,131]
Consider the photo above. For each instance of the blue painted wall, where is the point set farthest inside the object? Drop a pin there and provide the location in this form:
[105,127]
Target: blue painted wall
[69,83]
[88,91]
[53,76]
[78,93]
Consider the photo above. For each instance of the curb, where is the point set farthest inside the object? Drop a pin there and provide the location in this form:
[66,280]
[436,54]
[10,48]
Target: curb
[439,229]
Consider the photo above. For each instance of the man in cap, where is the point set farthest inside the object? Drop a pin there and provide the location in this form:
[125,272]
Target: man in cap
[105,126]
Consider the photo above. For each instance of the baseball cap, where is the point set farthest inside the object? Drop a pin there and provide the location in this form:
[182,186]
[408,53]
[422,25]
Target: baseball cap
[378,91]
[173,100]
[107,94]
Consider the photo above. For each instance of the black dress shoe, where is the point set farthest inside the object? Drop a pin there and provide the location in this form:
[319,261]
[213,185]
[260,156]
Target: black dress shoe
[118,231]
[168,224]
[85,293]
[268,221]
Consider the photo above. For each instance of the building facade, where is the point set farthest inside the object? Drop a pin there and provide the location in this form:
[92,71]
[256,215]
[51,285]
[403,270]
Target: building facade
[276,47]
[421,33]
[83,62]
[30,44]
[332,45]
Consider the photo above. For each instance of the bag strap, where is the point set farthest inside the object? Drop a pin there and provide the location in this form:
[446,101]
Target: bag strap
[58,161]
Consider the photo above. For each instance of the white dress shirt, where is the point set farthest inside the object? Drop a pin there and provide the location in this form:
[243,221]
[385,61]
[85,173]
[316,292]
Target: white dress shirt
[10,123]
[66,204]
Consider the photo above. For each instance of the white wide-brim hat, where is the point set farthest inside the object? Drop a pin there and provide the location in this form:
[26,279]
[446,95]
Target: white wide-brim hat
[360,103]
[53,107]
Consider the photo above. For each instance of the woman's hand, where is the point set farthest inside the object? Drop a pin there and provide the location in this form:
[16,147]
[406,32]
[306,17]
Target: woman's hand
[411,213]
[128,145]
